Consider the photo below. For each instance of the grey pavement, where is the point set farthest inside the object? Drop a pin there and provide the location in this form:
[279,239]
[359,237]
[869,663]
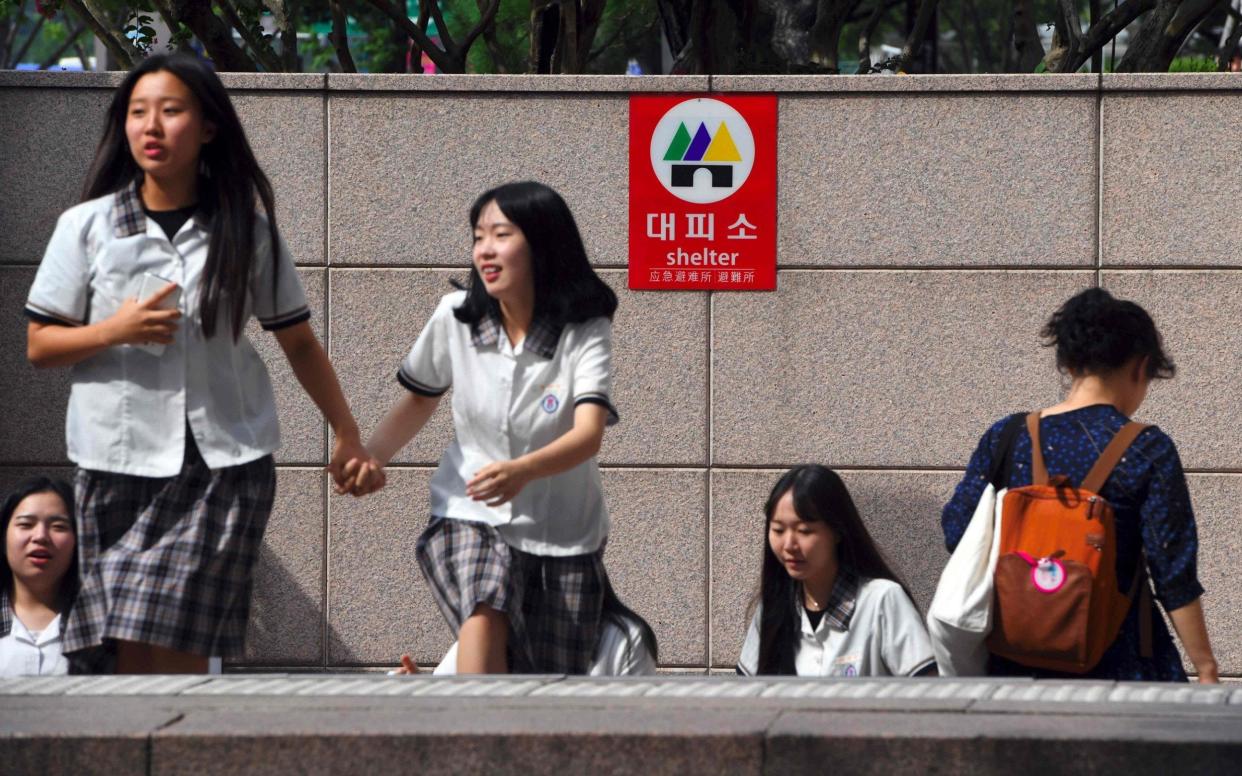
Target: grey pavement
[370,723]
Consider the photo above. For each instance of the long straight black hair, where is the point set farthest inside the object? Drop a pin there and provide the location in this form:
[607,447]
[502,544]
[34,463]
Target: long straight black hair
[567,290]
[229,180]
[819,496]
[29,487]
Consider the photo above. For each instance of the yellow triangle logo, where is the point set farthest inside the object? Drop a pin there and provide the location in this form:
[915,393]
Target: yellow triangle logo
[722,148]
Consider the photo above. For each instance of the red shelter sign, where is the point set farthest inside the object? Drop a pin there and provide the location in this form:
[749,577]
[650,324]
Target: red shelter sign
[703,192]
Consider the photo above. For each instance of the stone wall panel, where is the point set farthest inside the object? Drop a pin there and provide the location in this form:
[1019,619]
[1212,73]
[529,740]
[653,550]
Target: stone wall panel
[937,180]
[398,196]
[879,368]
[1170,192]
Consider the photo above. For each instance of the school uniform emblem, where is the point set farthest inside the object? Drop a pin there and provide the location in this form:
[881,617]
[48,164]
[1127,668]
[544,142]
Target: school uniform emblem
[550,403]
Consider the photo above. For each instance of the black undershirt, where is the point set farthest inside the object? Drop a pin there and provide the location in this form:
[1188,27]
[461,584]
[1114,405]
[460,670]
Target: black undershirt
[171,221]
[813,616]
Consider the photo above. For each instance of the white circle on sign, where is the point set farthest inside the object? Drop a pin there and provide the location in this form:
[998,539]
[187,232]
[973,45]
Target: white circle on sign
[702,150]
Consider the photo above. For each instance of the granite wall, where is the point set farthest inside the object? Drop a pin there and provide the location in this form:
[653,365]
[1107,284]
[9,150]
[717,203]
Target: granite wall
[928,225]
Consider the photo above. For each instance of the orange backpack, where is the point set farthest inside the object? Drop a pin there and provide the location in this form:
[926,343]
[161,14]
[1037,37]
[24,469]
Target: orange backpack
[1057,603]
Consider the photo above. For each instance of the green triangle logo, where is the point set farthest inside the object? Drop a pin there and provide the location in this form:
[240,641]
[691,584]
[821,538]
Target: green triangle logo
[677,148]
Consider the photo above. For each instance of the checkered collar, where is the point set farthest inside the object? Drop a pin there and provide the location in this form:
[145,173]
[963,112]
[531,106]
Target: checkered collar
[840,607]
[541,338]
[6,613]
[128,218]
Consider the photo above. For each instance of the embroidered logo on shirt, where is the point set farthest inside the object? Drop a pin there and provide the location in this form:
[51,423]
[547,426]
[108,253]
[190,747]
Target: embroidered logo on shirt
[550,403]
[846,665]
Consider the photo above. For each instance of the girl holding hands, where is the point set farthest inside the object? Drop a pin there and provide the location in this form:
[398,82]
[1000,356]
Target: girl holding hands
[144,291]
[513,554]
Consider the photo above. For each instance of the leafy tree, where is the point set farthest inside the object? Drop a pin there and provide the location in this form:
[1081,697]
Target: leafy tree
[807,36]
[704,36]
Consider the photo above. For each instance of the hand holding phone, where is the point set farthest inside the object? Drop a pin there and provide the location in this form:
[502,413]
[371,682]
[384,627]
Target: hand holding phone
[149,322]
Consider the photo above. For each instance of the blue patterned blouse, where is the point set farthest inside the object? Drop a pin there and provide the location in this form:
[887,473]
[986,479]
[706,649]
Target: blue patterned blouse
[1152,505]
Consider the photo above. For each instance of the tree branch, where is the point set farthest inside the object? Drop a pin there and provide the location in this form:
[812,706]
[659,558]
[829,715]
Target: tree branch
[914,43]
[1107,28]
[258,46]
[437,55]
[1230,43]
[485,20]
[491,41]
[340,37]
[825,33]
[437,15]
[1073,22]
[213,33]
[72,39]
[10,35]
[1189,15]
[34,33]
[117,46]
[1026,36]
[882,7]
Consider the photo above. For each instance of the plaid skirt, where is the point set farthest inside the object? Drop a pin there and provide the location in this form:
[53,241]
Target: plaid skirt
[554,604]
[169,561]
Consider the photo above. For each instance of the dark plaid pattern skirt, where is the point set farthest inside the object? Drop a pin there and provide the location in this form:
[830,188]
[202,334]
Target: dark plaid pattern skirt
[169,561]
[553,603]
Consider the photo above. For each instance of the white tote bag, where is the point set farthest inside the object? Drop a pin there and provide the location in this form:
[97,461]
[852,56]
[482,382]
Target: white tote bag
[960,616]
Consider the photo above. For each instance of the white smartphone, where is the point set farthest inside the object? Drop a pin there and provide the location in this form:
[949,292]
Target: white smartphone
[152,283]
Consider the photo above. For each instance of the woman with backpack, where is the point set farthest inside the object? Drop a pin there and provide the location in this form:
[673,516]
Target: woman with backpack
[1111,350]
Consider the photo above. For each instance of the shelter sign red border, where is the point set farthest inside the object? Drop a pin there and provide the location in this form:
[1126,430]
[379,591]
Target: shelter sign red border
[703,192]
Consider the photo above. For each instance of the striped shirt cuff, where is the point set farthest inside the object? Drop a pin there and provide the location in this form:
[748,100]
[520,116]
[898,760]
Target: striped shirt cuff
[286,320]
[601,400]
[414,386]
[43,315]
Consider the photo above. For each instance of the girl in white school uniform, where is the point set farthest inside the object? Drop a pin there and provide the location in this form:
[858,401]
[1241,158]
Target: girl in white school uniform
[828,603]
[513,554]
[144,291]
[38,577]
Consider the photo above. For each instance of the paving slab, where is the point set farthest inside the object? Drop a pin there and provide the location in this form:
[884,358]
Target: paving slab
[869,743]
[555,741]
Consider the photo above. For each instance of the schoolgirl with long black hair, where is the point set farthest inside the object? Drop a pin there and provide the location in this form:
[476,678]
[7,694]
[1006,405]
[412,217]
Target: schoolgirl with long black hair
[514,551]
[144,291]
[828,604]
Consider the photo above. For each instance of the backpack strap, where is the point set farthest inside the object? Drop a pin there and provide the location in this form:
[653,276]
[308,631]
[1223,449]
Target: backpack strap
[1002,458]
[1108,459]
[1039,472]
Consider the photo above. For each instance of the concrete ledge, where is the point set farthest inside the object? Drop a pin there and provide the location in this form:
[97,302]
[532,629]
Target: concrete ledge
[111,79]
[556,725]
[406,82]
[1189,82]
[1010,82]
[401,82]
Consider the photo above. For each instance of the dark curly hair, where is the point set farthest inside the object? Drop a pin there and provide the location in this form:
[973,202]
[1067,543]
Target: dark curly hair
[1096,333]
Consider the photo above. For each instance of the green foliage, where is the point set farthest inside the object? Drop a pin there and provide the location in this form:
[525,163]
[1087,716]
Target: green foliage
[140,33]
[1192,65]
[383,51]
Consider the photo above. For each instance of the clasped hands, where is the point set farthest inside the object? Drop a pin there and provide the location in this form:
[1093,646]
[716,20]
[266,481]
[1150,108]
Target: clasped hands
[357,472]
